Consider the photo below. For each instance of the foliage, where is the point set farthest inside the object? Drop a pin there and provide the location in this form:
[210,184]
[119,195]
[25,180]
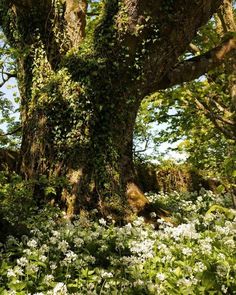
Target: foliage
[19,200]
[195,256]
[200,115]
[16,198]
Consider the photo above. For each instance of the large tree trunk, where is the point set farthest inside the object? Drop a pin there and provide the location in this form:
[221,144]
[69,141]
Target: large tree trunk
[78,131]
[78,106]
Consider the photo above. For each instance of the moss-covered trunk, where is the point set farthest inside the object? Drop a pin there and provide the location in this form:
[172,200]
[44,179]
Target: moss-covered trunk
[74,128]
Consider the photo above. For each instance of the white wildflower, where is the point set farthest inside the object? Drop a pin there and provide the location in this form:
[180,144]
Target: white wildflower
[10,273]
[48,279]
[42,258]
[78,242]
[70,256]
[206,248]
[222,230]
[106,275]
[63,246]
[32,268]
[230,243]
[161,276]
[144,248]
[60,289]
[224,289]
[167,258]
[44,248]
[28,252]
[153,215]
[32,243]
[138,222]
[23,261]
[184,282]
[19,271]
[222,270]
[183,231]
[221,256]
[138,283]
[53,266]
[53,240]
[187,251]
[102,221]
[199,267]
[209,217]
[56,233]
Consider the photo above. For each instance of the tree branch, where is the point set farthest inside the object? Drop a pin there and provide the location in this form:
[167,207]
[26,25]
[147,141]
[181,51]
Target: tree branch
[155,34]
[7,78]
[59,28]
[197,66]
[216,120]
[11,132]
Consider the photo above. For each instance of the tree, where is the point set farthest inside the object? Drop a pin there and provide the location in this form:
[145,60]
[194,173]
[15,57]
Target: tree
[80,93]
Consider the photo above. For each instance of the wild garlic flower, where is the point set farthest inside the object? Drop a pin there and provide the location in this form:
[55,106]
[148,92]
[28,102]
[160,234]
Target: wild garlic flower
[78,242]
[70,256]
[32,243]
[44,248]
[60,289]
[48,279]
[161,276]
[187,251]
[106,275]
[224,289]
[32,268]
[185,230]
[43,258]
[11,273]
[102,221]
[53,266]
[63,246]
[53,240]
[199,267]
[23,261]
[18,271]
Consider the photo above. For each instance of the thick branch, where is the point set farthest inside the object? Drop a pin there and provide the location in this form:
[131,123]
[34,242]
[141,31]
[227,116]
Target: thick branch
[155,34]
[59,26]
[197,66]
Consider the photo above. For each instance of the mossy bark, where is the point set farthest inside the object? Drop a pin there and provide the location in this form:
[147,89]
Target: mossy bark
[76,126]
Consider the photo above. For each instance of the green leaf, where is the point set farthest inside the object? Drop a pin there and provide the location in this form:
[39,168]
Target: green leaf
[220,189]
[49,190]
[17,286]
